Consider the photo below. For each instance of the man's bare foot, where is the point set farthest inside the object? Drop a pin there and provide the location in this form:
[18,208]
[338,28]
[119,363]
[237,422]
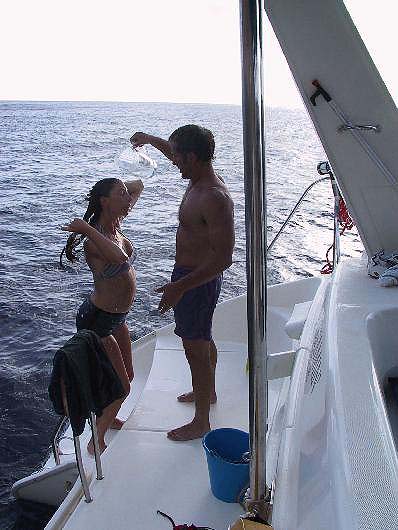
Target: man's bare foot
[191,431]
[189,397]
[117,424]
[90,447]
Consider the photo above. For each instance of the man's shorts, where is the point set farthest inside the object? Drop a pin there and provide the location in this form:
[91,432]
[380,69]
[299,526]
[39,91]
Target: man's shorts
[193,314]
[101,322]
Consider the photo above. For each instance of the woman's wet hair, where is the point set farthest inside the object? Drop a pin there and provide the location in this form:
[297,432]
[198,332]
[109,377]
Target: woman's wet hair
[194,139]
[101,189]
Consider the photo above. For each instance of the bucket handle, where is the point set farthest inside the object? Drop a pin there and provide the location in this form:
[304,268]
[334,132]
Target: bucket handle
[245,458]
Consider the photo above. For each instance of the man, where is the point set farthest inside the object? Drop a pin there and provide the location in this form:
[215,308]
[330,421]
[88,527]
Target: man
[204,245]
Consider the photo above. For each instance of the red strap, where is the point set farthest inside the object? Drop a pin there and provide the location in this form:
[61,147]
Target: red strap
[346,223]
[344,216]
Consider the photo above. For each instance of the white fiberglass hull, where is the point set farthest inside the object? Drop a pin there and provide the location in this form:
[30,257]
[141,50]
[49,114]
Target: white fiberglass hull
[337,464]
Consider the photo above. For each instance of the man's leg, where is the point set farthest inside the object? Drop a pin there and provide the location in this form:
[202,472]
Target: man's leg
[189,397]
[198,355]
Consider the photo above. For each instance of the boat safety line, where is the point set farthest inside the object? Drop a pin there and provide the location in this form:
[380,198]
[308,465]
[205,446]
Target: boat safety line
[183,526]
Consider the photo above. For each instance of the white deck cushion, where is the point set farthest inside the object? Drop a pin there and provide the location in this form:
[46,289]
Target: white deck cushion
[295,325]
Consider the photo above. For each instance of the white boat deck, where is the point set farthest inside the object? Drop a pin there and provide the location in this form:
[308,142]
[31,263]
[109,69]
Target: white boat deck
[143,450]
[145,471]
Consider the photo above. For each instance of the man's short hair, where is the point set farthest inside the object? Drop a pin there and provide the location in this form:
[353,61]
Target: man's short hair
[194,139]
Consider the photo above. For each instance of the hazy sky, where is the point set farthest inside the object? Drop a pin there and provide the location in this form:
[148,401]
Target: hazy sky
[152,50]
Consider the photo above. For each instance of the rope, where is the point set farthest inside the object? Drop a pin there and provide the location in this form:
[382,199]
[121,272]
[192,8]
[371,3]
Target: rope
[182,526]
[347,223]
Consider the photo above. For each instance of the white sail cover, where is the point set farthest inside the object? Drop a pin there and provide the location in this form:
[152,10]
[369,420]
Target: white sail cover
[321,43]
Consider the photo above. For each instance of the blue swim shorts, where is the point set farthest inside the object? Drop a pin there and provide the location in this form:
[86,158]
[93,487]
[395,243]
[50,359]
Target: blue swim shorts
[193,314]
[101,322]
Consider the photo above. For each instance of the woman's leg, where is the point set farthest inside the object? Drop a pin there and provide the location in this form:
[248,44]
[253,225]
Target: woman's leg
[122,337]
[109,414]
[103,423]
[115,355]
[123,340]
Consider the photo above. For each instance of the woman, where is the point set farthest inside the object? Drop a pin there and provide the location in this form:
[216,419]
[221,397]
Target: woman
[110,256]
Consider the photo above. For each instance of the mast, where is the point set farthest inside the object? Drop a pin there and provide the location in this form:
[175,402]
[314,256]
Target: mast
[255,216]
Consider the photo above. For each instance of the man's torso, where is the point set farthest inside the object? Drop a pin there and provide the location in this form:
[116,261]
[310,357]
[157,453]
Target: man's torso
[192,240]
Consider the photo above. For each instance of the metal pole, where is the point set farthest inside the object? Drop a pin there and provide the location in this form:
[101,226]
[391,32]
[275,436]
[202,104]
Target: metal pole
[336,229]
[80,467]
[255,215]
[97,454]
[54,443]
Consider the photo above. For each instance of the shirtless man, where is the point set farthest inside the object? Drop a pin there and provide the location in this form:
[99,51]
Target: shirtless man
[204,245]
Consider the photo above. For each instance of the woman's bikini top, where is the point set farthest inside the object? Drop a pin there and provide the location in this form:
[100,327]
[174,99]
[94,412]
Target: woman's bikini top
[114,269]
[111,270]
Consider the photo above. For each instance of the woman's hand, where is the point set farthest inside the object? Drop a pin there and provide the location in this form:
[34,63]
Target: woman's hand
[78,226]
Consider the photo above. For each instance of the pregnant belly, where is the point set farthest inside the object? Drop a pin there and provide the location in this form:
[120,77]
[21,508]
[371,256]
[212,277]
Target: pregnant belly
[115,295]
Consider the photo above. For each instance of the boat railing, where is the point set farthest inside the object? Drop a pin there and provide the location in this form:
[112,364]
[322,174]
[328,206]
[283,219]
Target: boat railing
[56,438]
[79,461]
[323,167]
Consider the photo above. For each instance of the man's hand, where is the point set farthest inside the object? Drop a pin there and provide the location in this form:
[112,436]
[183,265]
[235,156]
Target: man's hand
[139,139]
[77,225]
[172,294]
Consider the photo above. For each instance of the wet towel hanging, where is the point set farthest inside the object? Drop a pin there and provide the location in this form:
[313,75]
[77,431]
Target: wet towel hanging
[91,383]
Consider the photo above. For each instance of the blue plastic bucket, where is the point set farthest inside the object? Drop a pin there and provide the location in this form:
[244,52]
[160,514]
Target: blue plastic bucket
[228,471]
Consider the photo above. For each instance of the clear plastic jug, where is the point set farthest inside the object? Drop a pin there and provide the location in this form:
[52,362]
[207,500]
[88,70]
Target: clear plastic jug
[134,161]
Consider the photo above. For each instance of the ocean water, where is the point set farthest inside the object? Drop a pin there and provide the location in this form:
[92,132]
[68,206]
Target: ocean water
[50,155]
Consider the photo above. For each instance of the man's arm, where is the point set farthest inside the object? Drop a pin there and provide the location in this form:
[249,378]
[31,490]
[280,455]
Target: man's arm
[139,138]
[218,215]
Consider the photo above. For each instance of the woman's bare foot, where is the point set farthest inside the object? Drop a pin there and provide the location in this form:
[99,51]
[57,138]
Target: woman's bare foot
[191,431]
[90,447]
[189,397]
[117,424]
